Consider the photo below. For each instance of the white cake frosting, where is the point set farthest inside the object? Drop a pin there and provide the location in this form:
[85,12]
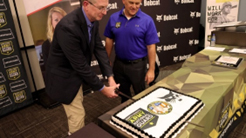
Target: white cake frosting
[162,113]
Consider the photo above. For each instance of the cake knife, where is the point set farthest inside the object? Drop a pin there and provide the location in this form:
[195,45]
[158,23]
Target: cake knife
[117,91]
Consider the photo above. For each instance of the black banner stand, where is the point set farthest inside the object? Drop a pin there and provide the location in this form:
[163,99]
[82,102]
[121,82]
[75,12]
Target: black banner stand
[14,87]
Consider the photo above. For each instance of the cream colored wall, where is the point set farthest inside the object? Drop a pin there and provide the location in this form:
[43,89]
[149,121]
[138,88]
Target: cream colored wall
[39,25]
[28,40]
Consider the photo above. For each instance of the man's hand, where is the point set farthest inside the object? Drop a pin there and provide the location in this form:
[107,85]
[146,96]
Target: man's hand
[109,91]
[112,82]
[150,75]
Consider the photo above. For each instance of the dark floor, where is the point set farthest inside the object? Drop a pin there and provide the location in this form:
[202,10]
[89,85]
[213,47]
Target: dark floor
[35,121]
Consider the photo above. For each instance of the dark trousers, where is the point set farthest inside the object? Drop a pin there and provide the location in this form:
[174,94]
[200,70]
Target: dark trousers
[130,74]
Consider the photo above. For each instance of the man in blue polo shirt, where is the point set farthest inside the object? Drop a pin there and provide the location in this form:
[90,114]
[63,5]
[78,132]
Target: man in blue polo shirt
[135,36]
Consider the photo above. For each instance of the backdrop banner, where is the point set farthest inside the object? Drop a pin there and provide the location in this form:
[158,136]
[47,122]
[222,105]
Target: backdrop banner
[217,13]
[14,86]
[177,23]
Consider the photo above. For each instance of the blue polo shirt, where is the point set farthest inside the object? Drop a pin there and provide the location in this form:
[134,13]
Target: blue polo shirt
[132,36]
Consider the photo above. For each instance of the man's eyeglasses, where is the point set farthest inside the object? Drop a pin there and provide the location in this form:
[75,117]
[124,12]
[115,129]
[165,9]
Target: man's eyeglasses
[102,9]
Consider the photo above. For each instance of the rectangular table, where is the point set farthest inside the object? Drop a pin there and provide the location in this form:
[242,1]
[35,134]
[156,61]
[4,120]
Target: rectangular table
[223,90]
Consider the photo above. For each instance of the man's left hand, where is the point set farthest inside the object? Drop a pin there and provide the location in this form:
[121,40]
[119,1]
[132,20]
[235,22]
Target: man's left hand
[150,75]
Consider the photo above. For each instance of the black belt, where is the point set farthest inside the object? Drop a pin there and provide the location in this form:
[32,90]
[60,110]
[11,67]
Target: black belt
[131,61]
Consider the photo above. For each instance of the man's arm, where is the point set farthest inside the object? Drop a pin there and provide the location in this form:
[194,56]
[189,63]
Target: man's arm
[150,75]
[109,46]
[101,55]
[111,81]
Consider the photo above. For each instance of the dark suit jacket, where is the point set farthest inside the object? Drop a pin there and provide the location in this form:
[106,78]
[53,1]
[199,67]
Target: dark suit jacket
[46,50]
[70,57]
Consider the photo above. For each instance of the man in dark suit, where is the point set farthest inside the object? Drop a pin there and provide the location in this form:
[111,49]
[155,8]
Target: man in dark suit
[75,39]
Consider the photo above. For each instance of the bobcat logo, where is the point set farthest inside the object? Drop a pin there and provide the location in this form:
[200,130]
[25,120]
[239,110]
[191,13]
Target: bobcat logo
[171,97]
[112,6]
[175,59]
[94,63]
[196,42]
[100,76]
[192,14]
[158,18]
[159,49]
[176,31]
[198,14]
[177,2]
[104,43]
[159,34]
[191,42]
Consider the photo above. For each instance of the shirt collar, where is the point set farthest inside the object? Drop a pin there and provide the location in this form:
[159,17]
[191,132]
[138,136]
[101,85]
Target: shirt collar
[88,22]
[136,15]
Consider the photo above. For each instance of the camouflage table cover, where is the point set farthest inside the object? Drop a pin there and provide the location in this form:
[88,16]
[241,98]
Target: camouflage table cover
[221,89]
